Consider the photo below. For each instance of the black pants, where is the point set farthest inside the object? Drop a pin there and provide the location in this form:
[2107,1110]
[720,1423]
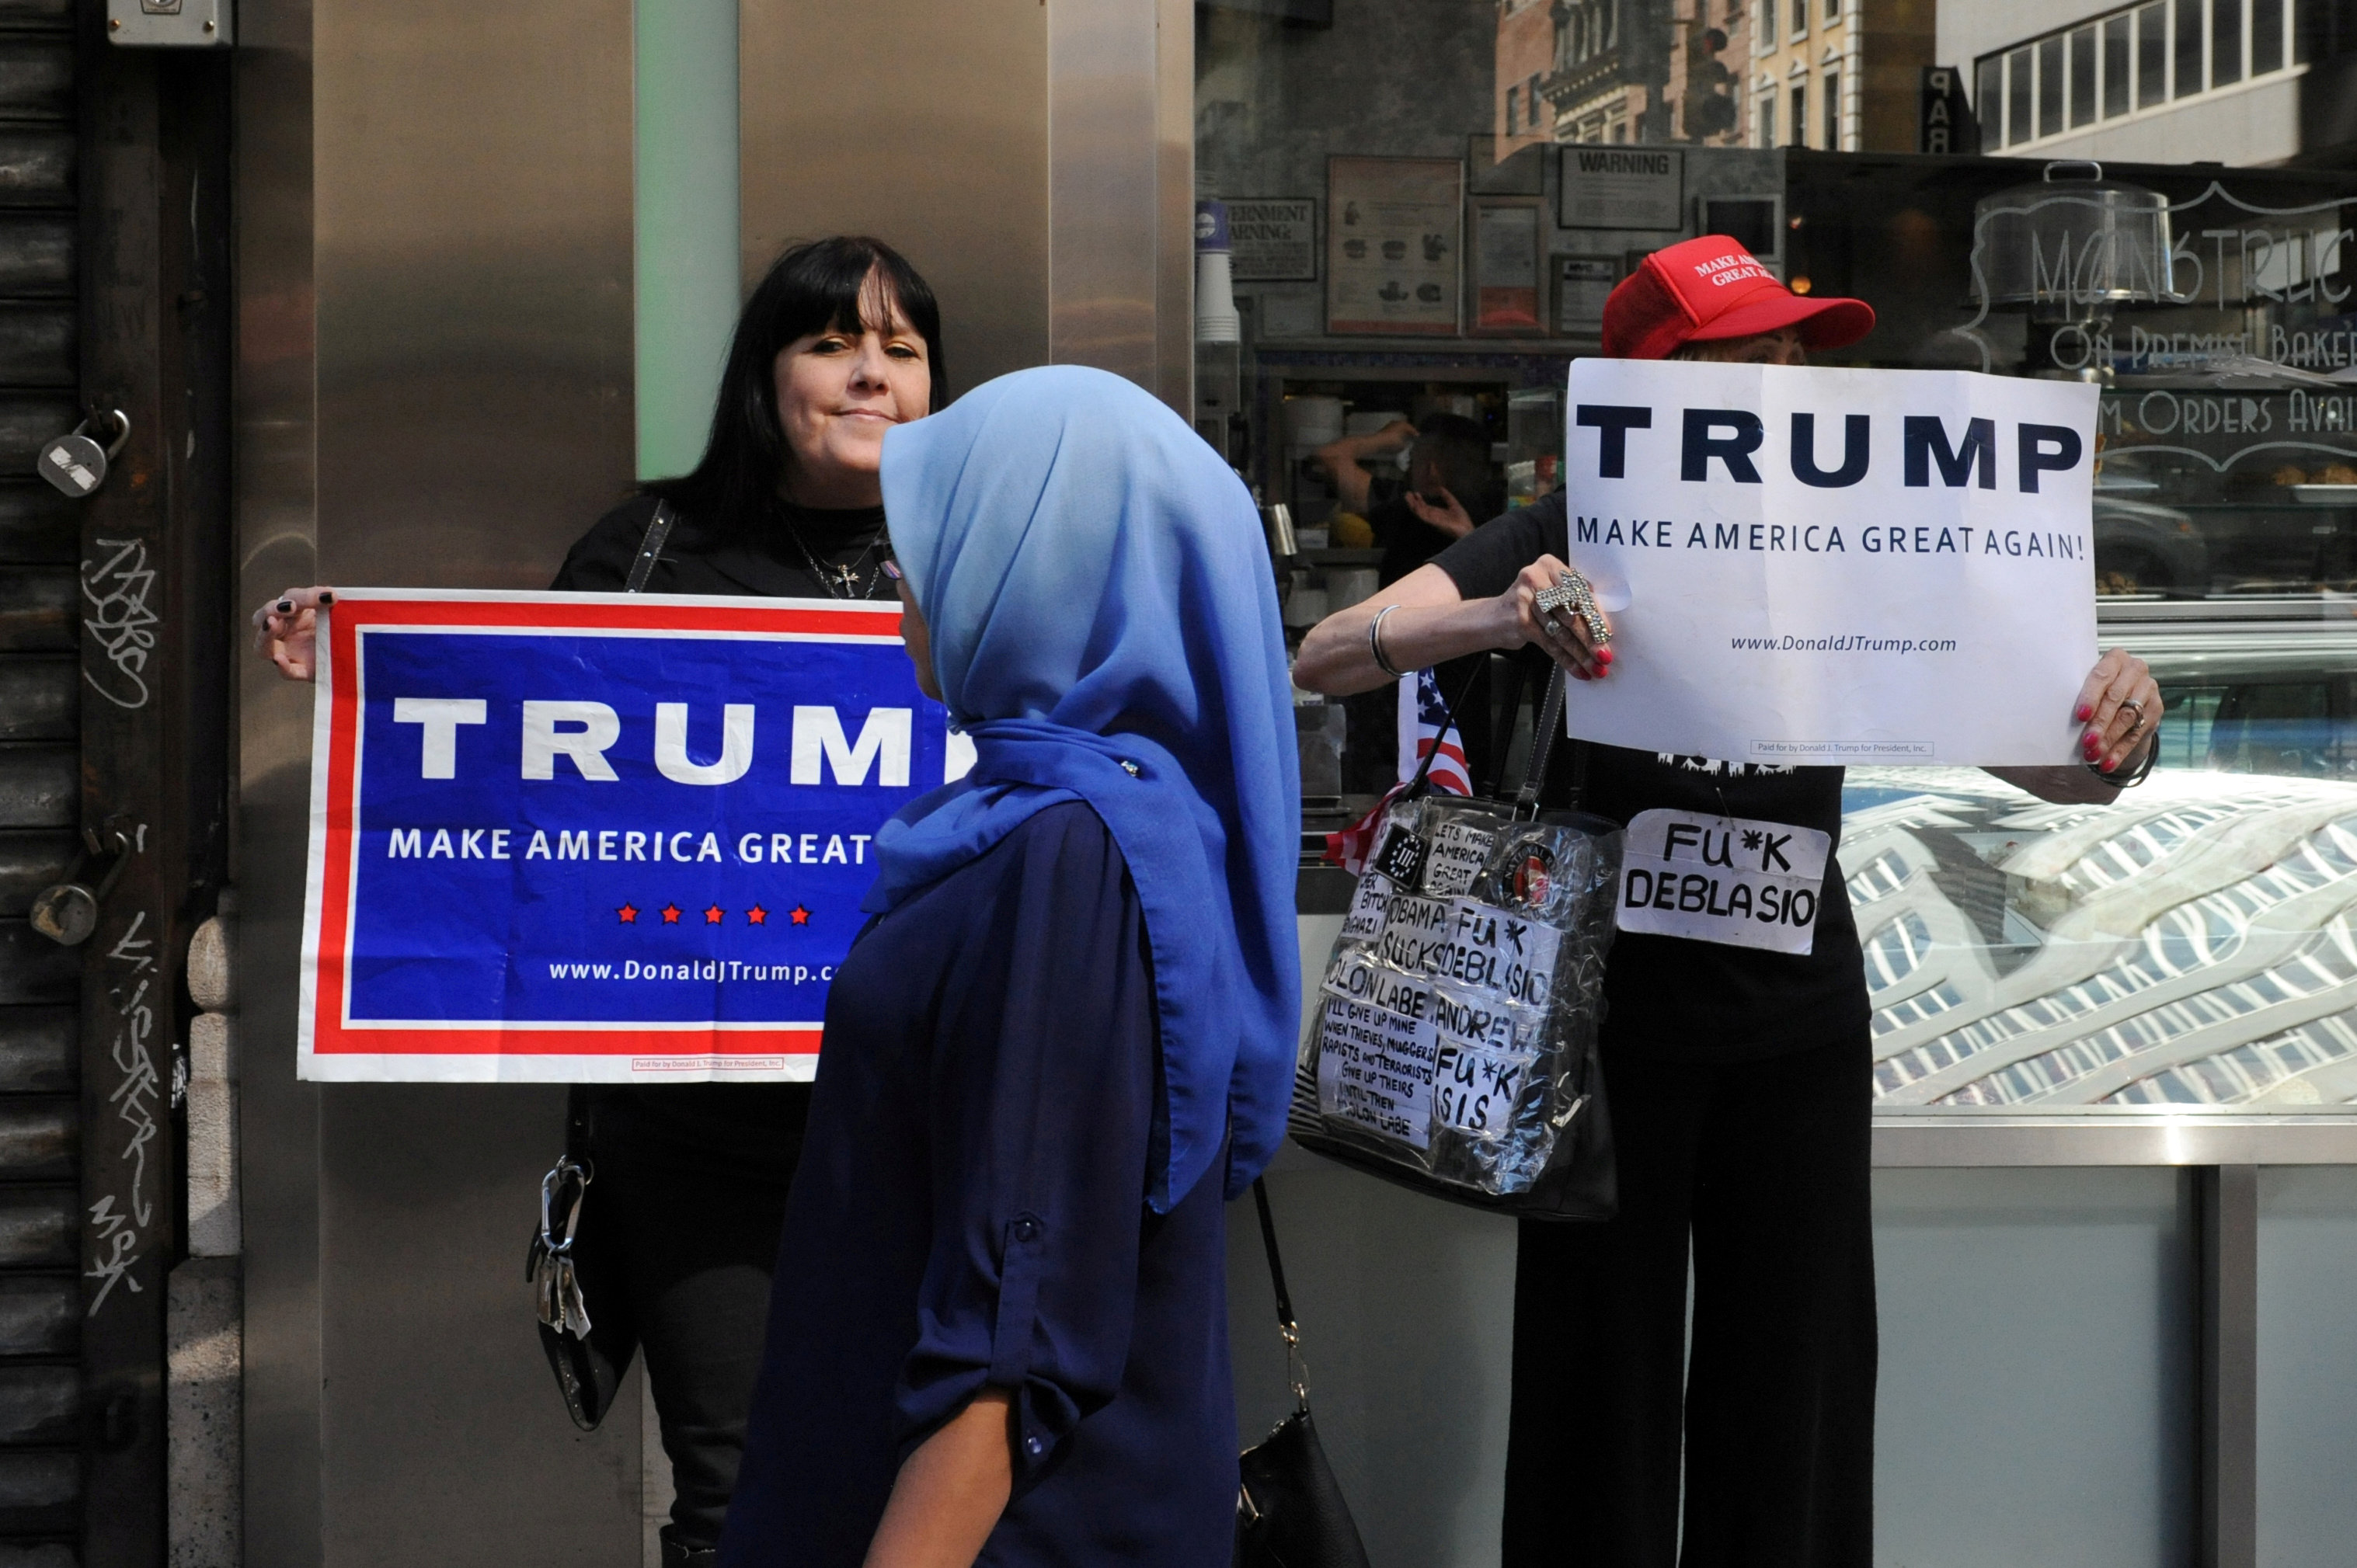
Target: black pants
[679,1235]
[1763,1167]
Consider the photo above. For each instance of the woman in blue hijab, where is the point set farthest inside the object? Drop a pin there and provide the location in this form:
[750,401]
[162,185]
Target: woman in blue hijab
[1066,1036]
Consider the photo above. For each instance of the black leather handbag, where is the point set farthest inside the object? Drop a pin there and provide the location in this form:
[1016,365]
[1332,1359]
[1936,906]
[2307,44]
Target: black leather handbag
[1290,1510]
[566,1272]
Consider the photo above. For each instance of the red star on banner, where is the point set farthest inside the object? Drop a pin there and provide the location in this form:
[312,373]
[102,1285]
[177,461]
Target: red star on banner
[714,916]
[757,915]
[671,914]
[799,915]
[630,915]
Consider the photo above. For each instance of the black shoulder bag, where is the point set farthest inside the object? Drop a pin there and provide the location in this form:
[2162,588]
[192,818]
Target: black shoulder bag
[589,1360]
[1290,1510]
[1453,1048]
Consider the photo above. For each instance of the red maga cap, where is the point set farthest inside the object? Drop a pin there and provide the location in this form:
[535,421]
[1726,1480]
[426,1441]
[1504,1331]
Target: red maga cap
[1703,290]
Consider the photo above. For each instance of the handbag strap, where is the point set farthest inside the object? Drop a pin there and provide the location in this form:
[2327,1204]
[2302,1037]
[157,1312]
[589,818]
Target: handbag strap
[650,549]
[1545,731]
[1295,1373]
[578,1111]
[1542,728]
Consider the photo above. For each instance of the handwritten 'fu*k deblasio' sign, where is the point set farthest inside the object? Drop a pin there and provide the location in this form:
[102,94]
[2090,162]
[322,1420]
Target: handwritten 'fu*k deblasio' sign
[597,837]
[1819,566]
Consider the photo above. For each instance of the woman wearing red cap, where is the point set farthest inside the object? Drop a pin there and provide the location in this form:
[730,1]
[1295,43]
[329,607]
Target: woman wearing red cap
[1740,1077]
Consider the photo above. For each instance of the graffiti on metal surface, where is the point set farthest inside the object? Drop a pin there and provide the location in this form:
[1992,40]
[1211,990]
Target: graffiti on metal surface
[116,613]
[135,1098]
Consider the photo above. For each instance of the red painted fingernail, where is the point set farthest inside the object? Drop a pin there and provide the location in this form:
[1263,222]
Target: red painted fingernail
[2110,763]
[1604,656]
[1579,674]
[2085,712]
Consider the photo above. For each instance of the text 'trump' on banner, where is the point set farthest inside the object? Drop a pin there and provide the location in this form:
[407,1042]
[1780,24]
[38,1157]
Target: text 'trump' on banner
[597,837]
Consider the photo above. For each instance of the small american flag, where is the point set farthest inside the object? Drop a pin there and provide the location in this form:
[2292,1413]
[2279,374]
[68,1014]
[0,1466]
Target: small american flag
[1423,726]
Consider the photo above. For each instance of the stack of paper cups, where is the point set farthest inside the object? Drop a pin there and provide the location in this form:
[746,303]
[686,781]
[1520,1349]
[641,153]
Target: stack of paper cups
[1313,421]
[1215,294]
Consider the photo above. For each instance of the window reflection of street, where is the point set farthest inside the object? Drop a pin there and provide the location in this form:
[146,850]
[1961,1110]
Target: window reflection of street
[2190,944]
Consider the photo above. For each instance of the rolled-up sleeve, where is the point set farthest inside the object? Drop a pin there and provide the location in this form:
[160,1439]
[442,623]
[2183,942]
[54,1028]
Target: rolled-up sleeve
[1042,1117]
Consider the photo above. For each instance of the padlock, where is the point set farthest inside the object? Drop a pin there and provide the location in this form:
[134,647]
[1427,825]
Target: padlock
[67,912]
[76,464]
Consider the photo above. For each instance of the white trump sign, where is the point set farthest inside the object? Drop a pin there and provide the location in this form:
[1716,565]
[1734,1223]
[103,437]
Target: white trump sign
[1824,566]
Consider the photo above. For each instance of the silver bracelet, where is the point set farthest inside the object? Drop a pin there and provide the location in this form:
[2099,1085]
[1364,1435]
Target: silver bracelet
[1375,643]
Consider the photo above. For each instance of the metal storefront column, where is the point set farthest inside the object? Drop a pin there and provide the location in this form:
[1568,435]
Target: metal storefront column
[154,346]
[2229,1198]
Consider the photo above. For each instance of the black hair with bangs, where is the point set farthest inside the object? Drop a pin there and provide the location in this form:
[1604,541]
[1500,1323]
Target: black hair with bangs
[819,286]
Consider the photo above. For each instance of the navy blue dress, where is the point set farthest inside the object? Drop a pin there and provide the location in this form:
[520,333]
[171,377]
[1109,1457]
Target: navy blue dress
[970,1213]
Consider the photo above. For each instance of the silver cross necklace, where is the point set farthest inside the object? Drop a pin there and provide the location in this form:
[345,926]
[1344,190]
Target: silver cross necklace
[839,581]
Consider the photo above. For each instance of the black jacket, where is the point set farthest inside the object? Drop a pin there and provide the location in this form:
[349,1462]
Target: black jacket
[756,1126]
[695,562]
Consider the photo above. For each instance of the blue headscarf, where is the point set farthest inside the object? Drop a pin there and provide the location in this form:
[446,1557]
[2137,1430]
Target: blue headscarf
[1100,599]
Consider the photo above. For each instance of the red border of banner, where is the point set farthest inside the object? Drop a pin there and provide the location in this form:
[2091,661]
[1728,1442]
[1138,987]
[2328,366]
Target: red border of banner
[330,1035]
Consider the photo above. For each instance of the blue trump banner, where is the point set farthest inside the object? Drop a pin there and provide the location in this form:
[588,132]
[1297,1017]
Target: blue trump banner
[597,837]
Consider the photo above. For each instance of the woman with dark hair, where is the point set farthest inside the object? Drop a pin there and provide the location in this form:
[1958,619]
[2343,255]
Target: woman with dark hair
[839,343]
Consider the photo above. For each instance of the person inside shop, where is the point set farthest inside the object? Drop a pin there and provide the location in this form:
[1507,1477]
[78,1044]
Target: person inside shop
[1450,482]
[1066,1038]
[1738,1078]
[839,343]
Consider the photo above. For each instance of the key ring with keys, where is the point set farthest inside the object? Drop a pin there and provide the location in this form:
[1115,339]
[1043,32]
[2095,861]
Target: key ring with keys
[556,1287]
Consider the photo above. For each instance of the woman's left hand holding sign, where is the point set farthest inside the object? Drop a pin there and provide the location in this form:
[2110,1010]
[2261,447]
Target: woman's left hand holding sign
[2120,707]
[286,630]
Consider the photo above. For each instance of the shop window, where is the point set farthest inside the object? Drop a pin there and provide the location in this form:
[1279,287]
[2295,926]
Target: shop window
[2152,54]
[2188,61]
[2018,77]
[2226,42]
[2049,87]
[2223,523]
[2286,727]
[2116,66]
[2267,36]
[2082,77]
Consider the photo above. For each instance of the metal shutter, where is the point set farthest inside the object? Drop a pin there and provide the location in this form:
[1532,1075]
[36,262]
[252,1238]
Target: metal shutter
[40,791]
